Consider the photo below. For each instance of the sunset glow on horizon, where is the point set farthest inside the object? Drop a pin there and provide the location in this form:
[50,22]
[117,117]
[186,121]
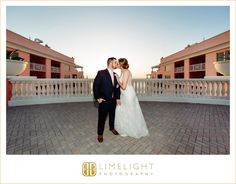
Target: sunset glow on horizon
[142,34]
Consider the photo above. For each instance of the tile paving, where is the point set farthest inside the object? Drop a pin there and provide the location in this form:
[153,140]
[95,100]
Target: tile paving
[70,128]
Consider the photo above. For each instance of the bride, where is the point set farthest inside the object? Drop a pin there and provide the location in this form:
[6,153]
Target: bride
[129,120]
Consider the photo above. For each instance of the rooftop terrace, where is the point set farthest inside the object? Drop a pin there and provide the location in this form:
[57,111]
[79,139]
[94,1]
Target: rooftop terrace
[70,128]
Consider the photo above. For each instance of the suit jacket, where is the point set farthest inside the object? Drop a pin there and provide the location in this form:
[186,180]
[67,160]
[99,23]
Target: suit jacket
[103,87]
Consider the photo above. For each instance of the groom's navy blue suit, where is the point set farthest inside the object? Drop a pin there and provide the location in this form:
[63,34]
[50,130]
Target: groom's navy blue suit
[105,89]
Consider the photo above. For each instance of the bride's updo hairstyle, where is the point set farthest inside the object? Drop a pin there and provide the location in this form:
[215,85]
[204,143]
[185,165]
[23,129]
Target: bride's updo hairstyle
[123,63]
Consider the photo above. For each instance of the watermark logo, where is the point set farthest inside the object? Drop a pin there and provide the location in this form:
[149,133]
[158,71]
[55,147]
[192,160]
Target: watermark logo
[89,169]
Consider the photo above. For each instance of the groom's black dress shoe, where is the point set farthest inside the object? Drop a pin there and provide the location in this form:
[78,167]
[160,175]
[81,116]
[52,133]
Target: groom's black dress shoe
[114,132]
[100,138]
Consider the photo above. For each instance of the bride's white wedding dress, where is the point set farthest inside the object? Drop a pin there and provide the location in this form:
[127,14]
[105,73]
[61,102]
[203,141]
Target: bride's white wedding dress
[129,120]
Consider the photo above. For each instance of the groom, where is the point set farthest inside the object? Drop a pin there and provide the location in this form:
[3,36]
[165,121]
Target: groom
[107,95]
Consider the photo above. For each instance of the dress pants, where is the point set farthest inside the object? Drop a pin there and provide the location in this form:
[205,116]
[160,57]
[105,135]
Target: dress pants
[105,108]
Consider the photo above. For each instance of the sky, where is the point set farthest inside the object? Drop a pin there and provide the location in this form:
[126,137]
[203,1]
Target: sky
[142,34]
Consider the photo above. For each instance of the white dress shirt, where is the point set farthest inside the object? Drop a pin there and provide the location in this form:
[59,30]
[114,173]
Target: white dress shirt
[111,74]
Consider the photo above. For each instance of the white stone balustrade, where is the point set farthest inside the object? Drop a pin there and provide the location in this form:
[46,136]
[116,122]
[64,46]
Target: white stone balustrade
[42,91]
[215,91]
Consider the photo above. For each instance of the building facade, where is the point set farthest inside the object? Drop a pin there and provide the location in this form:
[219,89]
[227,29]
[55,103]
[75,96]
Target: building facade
[43,62]
[195,61]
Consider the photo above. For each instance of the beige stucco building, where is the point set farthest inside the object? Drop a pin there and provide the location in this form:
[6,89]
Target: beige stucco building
[196,60]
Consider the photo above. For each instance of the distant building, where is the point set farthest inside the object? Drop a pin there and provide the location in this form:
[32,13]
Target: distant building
[195,61]
[43,62]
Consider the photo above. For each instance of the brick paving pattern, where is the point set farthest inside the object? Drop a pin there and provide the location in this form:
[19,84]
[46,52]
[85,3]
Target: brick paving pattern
[70,128]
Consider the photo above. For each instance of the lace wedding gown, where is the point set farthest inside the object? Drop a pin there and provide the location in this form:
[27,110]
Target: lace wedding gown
[129,120]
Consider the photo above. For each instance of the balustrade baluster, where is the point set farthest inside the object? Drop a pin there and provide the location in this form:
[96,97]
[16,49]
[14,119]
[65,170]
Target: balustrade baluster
[39,88]
[82,88]
[56,88]
[172,88]
[218,88]
[18,91]
[23,89]
[61,88]
[14,85]
[191,88]
[158,88]
[156,83]
[46,88]
[186,92]
[52,88]
[181,90]
[133,82]
[89,88]
[185,88]
[29,88]
[167,88]
[140,88]
[151,87]
[86,88]
[198,88]
[177,88]
[227,89]
[223,89]
[49,88]
[69,85]
[43,88]
[76,88]
[203,88]
[146,88]
[18,88]
[79,87]
[208,91]
[71,88]
[213,88]
[67,88]
[184,83]
[161,87]
[194,88]
[33,88]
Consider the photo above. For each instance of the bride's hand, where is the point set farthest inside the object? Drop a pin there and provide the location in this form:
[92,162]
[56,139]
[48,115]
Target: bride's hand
[117,77]
[118,102]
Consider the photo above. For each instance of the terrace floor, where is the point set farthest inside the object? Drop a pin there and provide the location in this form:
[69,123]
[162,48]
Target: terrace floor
[70,128]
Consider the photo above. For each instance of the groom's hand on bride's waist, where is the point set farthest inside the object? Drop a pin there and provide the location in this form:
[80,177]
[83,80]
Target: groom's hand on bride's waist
[100,100]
